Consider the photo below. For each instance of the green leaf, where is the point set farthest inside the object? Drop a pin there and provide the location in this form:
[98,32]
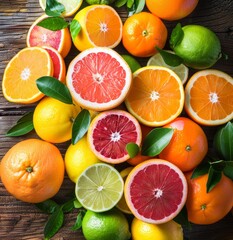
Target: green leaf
[48,206]
[182,218]
[80,125]
[54,223]
[139,5]
[228,170]
[201,169]
[26,117]
[156,140]
[78,222]
[218,165]
[54,88]
[176,36]
[54,8]
[75,28]
[213,178]
[53,23]
[77,204]
[120,3]
[132,149]
[130,3]
[68,206]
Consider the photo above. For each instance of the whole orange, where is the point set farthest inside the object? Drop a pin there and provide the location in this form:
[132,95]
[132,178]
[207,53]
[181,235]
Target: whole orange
[32,170]
[171,10]
[142,32]
[188,145]
[208,208]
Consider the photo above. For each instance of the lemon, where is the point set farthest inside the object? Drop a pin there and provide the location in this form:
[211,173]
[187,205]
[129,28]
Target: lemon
[78,157]
[146,231]
[110,225]
[132,62]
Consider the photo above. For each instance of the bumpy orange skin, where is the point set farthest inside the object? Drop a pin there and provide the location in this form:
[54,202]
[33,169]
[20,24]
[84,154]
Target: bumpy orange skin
[188,145]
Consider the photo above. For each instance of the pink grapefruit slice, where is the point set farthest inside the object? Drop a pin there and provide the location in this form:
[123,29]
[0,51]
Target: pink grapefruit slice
[110,132]
[99,78]
[155,191]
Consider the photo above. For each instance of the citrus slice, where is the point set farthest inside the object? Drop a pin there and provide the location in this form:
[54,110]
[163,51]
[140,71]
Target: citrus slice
[181,70]
[155,191]
[99,79]
[21,73]
[39,36]
[101,27]
[71,6]
[99,187]
[209,97]
[156,96]
[109,133]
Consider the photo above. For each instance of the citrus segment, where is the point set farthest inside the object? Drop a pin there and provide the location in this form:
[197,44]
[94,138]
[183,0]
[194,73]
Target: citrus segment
[99,78]
[155,191]
[21,73]
[109,133]
[156,96]
[209,97]
[99,187]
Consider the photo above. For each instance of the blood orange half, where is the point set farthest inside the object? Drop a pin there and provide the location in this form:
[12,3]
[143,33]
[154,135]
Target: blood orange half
[155,191]
[109,133]
[99,78]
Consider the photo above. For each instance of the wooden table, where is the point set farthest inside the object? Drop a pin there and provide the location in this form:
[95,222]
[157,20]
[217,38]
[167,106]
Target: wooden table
[20,220]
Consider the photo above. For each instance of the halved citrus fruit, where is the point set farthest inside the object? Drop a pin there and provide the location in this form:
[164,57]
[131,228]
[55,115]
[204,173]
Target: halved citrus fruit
[155,191]
[99,78]
[101,26]
[21,73]
[99,187]
[156,96]
[209,97]
[110,132]
[39,36]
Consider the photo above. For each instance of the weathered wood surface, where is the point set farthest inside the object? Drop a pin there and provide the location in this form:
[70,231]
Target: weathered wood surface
[20,220]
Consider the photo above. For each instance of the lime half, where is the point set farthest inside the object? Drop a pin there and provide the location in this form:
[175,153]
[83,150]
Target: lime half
[99,187]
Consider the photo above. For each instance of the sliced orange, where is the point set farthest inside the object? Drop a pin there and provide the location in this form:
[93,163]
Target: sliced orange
[156,96]
[21,73]
[209,97]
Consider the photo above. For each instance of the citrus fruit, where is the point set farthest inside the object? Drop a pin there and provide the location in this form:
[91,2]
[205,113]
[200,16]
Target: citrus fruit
[211,207]
[171,10]
[99,187]
[53,120]
[181,70]
[105,226]
[142,33]
[188,145]
[155,191]
[78,157]
[101,26]
[110,132]
[21,73]
[132,62]
[191,49]
[209,97]
[32,170]
[99,78]
[39,36]
[156,96]
[71,6]
[165,231]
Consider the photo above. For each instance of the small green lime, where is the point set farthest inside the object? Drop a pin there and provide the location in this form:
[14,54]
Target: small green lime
[200,47]
[109,225]
[107,2]
[132,62]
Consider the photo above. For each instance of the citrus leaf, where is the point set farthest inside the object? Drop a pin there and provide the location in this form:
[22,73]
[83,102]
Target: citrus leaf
[201,169]
[228,170]
[182,218]
[135,6]
[54,8]
[75,28]
[52,87]
[120,3]
[130,3]
[53,23]
[47,206]
[68,206]
[132,149]
[156,140]
[218,165]
[79,219]
[77,204]
[80,125]
[26,117]
[176,36]
[213,178]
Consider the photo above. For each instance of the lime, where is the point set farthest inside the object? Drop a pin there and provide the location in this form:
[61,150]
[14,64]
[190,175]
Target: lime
[99,187]
[132,62]
[200,47]
[107,2]
[105,226]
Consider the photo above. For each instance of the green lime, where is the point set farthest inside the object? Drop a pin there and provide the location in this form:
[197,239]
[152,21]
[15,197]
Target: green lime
[107,2]
[132,62]
[200,47]
[109,225]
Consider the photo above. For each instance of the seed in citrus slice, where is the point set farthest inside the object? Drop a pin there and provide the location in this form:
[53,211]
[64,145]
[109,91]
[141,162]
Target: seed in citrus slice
[99,78]
[209,97]
[39,36]
[101,27]
[156,96]
[99,187]
[21,73]
[71,6]
[181,70]
[110,132]
[155,191]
